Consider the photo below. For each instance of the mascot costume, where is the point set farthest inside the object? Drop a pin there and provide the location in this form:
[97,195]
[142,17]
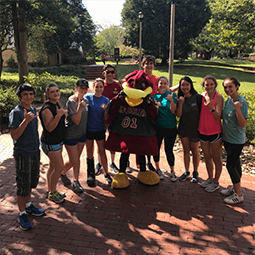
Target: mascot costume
[132,113]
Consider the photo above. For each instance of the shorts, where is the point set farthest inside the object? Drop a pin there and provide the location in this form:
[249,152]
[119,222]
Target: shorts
[74,141]
[210,138]
[96,135]
[50,147]
[27,173]
[191,139]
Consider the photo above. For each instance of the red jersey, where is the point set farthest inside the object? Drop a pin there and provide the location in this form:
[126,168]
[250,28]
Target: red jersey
[155,85]
[111,90]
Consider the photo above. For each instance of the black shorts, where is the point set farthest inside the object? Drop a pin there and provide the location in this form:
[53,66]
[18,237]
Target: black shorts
[210,138]
[96,135]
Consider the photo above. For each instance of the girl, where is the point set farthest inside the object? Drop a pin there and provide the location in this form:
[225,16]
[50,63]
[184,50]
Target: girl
[188,110]
[76,132]
[98,112]
[165,124]
[52,117]
[210,130]
[235,114]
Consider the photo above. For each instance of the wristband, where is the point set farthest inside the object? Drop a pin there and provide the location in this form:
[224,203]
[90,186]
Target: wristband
[213,110]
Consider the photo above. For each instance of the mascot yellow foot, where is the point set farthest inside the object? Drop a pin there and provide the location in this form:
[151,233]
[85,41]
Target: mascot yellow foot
[120,181]
[148,178]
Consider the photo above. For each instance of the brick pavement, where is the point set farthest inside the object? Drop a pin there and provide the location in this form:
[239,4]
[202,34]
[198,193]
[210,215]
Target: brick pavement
[170,218]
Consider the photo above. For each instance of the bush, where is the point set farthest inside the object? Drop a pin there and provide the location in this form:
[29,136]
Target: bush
[8,100]
[11,63]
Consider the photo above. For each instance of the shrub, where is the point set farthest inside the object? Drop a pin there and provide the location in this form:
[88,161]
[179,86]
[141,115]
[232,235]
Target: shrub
[8,100]
[11,63]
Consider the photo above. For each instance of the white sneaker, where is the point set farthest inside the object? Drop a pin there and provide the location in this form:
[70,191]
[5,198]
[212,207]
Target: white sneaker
[212,187]
[228,192]
[173,177]
[160,174]
[233,199]
[207,182]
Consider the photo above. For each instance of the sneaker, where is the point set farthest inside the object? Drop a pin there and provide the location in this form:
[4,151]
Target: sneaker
[98,169]
[35,211]
[228,192]
[150,167]
[62,194]
[129,169]
[77,186]
[195,176]
[212,187]
[56,197]
[160,174]
[24,222]
[173,177]
[108,179]
[114,168]
[184,176]
[233,199]
[204,184]
[65,179]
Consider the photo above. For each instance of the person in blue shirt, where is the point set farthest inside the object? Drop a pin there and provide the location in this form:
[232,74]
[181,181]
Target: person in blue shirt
[235,115]
[23,125]
[165,124]
[97,112]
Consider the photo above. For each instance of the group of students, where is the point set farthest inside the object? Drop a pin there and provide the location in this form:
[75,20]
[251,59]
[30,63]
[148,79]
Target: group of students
[85,120]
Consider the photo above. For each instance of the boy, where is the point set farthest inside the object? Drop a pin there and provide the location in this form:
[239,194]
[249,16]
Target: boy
[23,125]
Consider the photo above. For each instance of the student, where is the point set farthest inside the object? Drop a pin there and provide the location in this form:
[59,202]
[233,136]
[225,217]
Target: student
[210,132]
[235,115]
[111,89]
[165,124]
[52,117]
[98,112]
[23,125]
[188,110]
[75,137]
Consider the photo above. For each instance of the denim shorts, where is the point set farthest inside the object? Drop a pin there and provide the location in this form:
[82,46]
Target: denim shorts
[27,173]
[50,147]
[74,141]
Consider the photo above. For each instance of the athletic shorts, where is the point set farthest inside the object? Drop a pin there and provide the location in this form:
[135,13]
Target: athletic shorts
[27,173]
[96,135]
[74,141]
[210,138]
[191,139]
[50,147]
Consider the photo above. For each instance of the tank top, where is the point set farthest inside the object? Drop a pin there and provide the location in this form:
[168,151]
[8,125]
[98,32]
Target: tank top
[207,124]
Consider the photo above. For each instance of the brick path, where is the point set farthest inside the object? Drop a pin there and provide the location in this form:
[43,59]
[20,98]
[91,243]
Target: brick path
[170,218]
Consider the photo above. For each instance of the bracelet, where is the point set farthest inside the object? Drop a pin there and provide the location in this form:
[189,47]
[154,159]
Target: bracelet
[213,110]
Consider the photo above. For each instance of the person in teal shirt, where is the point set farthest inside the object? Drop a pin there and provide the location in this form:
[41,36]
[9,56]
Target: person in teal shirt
[235,115]
[165,124]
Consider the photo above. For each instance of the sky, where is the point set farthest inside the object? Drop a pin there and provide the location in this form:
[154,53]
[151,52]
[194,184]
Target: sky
[105,12]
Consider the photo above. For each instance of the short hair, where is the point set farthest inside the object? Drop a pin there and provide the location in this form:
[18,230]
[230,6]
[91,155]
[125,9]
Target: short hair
[98,80]
[149,58]
[24,87]
[108,66]
[234,80]
[209,77]
[192,90]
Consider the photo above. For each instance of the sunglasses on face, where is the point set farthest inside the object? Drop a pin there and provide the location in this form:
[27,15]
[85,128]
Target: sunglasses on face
[108,72]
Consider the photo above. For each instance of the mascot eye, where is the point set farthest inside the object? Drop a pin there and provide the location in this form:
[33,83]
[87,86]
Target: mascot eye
[143,86]
[131,84]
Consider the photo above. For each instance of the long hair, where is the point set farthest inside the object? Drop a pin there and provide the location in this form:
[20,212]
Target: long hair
[192,90]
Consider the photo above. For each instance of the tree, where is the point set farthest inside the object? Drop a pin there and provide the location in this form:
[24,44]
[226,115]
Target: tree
[108,39]
[191,17]
[233,23]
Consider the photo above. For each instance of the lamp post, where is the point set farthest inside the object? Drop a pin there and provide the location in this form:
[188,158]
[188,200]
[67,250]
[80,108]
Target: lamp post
[171,46]
[140,39]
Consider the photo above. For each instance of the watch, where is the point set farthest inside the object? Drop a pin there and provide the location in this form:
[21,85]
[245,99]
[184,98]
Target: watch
[213,110]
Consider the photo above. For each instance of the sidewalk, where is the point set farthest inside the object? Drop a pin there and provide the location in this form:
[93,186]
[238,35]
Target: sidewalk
[170,218]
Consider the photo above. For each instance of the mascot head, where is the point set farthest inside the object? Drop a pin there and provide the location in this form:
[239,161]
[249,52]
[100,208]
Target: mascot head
[137,86]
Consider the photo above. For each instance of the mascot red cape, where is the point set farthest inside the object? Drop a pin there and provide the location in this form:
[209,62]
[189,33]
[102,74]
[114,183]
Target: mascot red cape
[132,113]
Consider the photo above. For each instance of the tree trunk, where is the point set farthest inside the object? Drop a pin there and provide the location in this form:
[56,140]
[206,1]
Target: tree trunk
[20,36]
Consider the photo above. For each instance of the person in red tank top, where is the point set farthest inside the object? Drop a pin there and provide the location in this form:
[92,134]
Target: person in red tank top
[210,132]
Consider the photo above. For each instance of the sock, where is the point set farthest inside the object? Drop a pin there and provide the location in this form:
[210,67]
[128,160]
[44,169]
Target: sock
[28,204]
[20,213]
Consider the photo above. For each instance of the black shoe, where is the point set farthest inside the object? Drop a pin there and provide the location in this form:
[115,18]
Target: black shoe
[98,169]
[128,169]
[150,167]
[108,179]
[114,168]
[91,180]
